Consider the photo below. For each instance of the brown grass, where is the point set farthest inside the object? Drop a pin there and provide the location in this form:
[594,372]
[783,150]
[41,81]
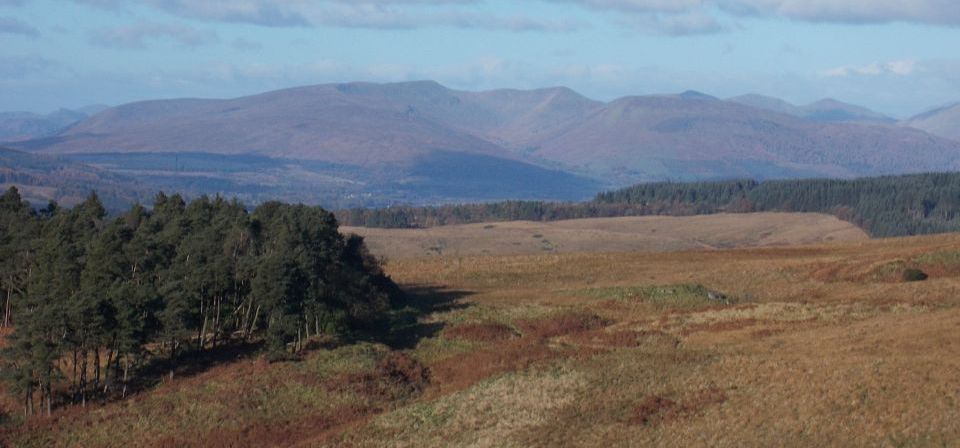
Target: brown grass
[819,350]
[655,409]
[480,332]
[561,324]
[647,233]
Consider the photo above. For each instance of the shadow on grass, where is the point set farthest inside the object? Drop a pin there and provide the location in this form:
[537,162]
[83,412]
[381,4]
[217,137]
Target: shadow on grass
[160,368]
[400,328]
[403,328]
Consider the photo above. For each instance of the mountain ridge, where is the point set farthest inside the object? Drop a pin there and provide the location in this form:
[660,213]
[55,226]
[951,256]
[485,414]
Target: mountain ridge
[407,136]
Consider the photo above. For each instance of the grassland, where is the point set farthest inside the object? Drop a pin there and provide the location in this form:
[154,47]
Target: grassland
[648,233]
[810,345]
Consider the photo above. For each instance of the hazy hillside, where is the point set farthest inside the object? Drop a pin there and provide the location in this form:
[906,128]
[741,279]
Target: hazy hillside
[943,121]
[675,137]
[19,126]
[826,110]
[42,178]
[420,142]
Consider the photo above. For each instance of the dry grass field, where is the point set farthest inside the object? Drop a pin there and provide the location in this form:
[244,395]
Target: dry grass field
[809,345]
[647,233]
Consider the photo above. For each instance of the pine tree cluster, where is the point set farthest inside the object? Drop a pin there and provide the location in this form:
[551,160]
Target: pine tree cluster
[90,298]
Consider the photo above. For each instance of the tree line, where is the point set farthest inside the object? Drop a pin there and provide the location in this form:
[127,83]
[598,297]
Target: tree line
[89,299]
[883,206]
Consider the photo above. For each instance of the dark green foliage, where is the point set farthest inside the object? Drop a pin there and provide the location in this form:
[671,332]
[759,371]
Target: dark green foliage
[91,299]
[418,217]
[883,206]
[914,275]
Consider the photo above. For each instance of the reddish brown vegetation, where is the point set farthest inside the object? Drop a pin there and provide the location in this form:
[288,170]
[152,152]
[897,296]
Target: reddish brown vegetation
[396,376]
[480,332]
[655,409]
[275,433]
[718,327]
[625,338]
[561,324]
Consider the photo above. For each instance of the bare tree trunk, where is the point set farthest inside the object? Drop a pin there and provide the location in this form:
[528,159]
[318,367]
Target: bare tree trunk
[246,319]
[126,368]
[49,396]
[74,385]
[28,401]
[83,378]
[96,370]
[253,323]
[216,320]
[6,308]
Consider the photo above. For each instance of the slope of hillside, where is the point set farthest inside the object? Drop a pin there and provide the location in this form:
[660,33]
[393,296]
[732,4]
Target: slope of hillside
[43,178]
[19,126]
[652,233]
[671,137]
[943,121]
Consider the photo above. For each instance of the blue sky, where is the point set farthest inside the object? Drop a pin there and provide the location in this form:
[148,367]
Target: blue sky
[897,56]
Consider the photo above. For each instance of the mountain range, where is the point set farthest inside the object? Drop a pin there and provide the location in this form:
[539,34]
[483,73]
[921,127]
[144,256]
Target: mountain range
[420,142]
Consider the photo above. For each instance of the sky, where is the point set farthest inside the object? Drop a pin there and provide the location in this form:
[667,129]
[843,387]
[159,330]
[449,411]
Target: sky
[899,57]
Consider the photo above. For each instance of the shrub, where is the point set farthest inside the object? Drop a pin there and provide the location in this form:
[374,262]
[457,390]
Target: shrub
[914,275]
[400,372]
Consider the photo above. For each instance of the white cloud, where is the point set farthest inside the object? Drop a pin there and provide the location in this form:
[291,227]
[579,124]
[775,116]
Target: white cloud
[898,68]
[373,14]
[938,12]
[139,34]
[942,12]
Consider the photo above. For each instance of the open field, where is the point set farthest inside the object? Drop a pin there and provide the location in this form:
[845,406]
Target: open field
[648,233]
[815,345]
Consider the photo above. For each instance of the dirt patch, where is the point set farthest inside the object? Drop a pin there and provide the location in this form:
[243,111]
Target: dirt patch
[480,332]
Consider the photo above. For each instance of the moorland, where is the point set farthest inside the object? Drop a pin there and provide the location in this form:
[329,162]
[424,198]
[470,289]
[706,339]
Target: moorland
[823,343]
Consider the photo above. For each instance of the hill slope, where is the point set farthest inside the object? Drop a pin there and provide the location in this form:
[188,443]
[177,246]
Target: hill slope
[42,178]
[674,137]
[943,121]
[827,110]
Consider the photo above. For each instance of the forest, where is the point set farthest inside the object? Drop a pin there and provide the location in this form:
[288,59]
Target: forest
[883,206]
[91,301]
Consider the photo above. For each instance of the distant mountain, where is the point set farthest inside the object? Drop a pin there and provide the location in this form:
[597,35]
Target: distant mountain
[675,137]
[420,142]
[943,121]
[825,110]
[19,126]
